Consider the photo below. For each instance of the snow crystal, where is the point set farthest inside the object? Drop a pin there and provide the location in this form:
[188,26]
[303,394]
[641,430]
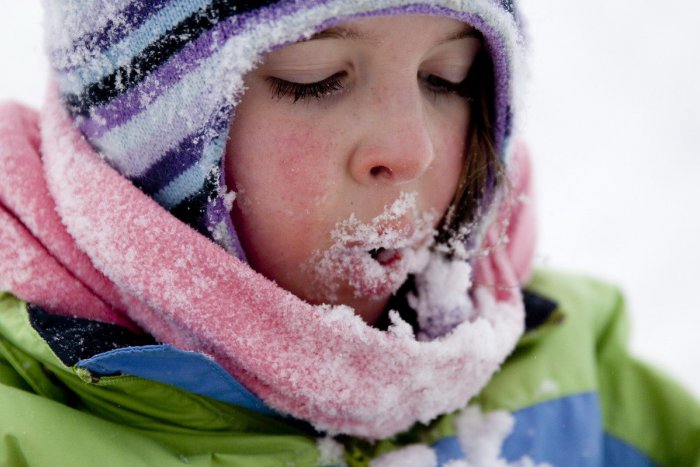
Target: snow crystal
[415,455]
[481,436]
[331,452]
[399,327]
[342,314]
[456,243]
[523,198]
[229,198]
[68,20]
[374,258]
[243,201]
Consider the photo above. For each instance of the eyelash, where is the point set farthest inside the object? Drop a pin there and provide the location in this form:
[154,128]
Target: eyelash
[439,86]
[300,91]
[326,87]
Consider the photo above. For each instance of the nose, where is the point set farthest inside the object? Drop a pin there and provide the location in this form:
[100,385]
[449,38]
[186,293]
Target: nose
[393,141]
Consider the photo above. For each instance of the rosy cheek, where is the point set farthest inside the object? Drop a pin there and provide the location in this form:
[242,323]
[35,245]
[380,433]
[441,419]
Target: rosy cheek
[304,167]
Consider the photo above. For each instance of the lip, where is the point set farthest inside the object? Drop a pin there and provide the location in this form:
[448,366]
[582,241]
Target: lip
[386,256]
[373,258]
[385,237]
[377,276]
[379,265]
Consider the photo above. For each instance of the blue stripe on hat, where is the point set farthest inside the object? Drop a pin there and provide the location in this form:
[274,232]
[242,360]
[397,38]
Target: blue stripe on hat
[122,52]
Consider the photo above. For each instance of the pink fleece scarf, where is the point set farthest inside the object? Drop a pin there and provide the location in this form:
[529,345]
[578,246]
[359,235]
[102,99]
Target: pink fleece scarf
[78,239]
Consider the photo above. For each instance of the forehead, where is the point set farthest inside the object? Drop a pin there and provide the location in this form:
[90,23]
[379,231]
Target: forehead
[371,29]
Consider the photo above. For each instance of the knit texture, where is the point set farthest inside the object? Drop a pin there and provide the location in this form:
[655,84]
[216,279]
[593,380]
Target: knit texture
[153,84]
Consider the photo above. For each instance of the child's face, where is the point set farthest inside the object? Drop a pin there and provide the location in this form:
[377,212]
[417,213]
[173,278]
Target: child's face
[345,152]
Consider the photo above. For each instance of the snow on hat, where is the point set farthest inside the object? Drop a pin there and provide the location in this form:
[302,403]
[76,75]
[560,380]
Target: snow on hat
[152,84]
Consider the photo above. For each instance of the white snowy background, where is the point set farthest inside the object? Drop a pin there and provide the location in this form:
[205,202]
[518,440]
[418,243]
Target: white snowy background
[613,121]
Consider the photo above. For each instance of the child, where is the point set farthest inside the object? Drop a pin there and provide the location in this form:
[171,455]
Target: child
[295,233]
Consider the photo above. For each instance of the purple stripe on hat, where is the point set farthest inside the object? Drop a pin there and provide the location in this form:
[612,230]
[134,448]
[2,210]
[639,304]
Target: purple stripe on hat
[180,158]
[136,99]
[173,163]
[217,214]
[113,31]
[121,109]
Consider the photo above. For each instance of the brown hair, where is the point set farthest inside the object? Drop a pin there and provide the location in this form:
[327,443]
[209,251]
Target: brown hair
[482,173]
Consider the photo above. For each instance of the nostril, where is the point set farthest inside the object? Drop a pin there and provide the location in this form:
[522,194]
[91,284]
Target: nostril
[378,170]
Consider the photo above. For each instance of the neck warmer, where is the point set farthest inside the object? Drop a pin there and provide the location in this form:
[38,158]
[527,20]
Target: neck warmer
[93,225]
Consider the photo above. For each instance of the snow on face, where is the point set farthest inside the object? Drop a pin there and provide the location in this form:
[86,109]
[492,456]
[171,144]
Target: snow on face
[374,258]
[442,299]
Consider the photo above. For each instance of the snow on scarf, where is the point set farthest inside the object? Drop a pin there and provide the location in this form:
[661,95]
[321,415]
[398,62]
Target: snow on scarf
[79,239]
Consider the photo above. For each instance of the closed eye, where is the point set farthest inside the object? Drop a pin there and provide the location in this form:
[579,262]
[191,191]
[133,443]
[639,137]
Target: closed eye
[441,86]
[300,91]
[318,90]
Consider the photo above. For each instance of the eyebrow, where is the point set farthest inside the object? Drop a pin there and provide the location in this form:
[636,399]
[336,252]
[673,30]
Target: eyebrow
[467,31]
[345,32]
[341,32]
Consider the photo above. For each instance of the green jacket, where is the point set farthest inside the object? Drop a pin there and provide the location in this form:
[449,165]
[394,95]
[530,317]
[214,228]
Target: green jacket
[577,397]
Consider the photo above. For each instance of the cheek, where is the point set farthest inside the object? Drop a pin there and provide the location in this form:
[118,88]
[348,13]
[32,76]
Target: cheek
[282,174]
[290,165]
[305,163]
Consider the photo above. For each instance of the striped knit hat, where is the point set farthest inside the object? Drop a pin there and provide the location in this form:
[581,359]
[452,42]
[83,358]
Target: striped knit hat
[153,84]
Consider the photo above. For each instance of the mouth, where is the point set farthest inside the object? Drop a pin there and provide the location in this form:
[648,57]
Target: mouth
[372,259]
[386,256]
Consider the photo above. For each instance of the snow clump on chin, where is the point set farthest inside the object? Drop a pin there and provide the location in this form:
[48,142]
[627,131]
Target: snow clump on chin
[442,300]
[374,258]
